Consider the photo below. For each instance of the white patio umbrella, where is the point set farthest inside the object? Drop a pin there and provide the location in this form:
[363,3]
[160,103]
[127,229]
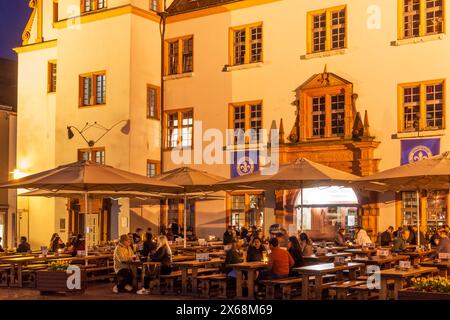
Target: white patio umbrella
[193,182]
[86,177]
[428,174]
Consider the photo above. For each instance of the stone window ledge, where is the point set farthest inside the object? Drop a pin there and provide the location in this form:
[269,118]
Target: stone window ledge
[420,134]
[415,40]
[246,66]
[323,54]
[178,76]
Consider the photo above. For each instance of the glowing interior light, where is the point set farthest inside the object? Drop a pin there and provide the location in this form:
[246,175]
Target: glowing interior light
[328,195]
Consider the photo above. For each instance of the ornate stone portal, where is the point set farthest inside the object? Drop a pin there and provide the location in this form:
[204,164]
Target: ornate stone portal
[329,130]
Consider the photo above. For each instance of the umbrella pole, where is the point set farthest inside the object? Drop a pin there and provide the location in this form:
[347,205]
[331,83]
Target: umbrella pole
[86,238]
[185,220]
[418,217]
[301,207]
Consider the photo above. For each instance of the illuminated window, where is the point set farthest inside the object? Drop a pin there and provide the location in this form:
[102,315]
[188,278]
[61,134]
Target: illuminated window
[246,210]
[327,29]
[95,154]
[92,5]
[93,89]
[179,128]
[246,116]
[421,18]
[180,55]
[153,101]
[246,44]
[328,116]
[409,208]
[436,209]
[52,76]
[422,106]
[152,168]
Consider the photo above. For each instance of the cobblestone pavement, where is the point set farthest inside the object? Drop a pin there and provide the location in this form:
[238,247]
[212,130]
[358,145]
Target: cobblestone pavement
[99,291]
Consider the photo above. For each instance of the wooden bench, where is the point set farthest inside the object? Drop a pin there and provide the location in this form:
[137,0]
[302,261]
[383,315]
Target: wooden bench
[92,272]
[208,282]
[342,289]
[4,275]
[364,293]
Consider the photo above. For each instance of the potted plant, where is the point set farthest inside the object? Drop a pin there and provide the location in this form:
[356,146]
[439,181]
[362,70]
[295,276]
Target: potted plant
[60,278]
[436,288]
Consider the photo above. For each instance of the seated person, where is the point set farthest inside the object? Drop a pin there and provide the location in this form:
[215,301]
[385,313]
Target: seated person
[340,238]
[149,245]
[123,253]
[296,253]
[362,238]
[255,251]
[386,237]
[163,254]
[444,243]
[280,262]
[413,236]
[306,245]
[434,239]
[232,257]
[228,236]
[78,245]
[400,243]
[24,246]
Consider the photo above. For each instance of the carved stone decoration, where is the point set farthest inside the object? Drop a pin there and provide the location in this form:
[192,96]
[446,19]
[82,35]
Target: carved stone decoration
[36,6]
[358,127]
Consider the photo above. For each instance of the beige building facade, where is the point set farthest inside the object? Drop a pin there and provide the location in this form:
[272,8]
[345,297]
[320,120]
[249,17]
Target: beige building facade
[345,83]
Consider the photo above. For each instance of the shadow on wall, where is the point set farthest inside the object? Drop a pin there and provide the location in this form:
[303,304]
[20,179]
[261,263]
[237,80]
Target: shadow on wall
[214,227]
[137,221]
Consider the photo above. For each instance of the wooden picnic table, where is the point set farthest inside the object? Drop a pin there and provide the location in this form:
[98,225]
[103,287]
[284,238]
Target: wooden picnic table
[194,265]
[418,256]
[399,277]
[360,251]
[319,270]
[325,258]
[382,262]
[442,265]
[250,268]
[17,263]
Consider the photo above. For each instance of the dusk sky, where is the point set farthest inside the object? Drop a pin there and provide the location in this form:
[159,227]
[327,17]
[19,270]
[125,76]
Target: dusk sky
[13,18]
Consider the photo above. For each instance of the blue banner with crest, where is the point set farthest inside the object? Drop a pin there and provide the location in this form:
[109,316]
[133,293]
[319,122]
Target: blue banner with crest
[419,149]
[244,163]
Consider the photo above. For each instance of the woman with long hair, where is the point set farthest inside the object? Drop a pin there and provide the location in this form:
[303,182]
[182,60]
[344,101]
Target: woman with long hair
[163,255]
[295,251]
[56,243]
[255,251]
[306,245]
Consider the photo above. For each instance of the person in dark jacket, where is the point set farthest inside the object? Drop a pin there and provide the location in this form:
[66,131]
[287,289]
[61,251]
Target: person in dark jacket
[295,251]
[228,236]
[444,244]
[387,237]
[24,246]
[435,238]
[232,257]
[340,238]
[163,255]
[413,236]
[149,245]
[255,251]
[79,245]
[400,244]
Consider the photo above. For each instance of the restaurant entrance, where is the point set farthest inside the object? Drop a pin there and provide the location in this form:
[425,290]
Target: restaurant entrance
[100,219]
[326,210]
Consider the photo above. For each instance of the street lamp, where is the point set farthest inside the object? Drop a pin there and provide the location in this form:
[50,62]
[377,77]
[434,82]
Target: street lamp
[91,143]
